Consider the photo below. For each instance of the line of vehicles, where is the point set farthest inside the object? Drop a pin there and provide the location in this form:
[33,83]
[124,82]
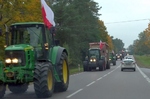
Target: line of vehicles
[99,57]
[33,55]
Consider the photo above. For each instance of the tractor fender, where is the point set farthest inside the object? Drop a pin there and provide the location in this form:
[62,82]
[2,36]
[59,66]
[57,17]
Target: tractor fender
[56,53]
[60,51]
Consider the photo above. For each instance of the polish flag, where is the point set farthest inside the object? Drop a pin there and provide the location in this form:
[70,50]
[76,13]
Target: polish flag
[100,44]
[48,15]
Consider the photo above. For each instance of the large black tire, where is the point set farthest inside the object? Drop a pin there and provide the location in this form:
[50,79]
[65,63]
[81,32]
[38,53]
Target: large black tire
[101,65]
[18,87]
[2,90]
[43,80]
[114,62]
[63,71]
[85,65]
[108,65]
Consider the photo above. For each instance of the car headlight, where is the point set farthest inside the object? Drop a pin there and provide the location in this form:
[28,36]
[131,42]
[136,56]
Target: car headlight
[8,60]
[109,59]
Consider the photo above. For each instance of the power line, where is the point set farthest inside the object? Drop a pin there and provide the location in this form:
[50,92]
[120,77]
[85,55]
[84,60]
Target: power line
[127,21]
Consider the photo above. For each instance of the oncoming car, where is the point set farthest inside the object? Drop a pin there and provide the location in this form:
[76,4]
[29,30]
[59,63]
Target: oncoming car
[128,64]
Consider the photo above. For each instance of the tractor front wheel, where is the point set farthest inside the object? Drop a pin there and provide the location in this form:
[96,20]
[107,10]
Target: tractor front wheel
[85,65]
[18,88]
[2,90]
[63,74]
[43,80]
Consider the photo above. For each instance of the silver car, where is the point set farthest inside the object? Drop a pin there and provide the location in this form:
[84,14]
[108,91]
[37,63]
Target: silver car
[128,63]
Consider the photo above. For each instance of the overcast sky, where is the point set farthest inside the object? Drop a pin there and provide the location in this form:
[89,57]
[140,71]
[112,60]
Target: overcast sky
[125,10]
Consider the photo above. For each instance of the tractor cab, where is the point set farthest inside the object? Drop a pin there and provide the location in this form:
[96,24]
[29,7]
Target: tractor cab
[25,36]
[94,54]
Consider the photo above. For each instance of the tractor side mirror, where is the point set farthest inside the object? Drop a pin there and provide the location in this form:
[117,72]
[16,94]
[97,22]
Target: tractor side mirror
[0,32]
[57,42]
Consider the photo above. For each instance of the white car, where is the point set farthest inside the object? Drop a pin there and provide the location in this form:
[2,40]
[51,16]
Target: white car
[128,63]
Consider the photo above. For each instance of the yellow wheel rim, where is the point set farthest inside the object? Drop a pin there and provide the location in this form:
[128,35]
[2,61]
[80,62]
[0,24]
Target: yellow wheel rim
[50,80]
[65,72]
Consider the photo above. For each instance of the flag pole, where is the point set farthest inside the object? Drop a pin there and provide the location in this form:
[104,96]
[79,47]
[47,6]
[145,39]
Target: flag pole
[48,19]
[52,31]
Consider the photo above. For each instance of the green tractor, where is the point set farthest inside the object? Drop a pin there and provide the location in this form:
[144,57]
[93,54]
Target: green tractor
[33,55]
[112,58]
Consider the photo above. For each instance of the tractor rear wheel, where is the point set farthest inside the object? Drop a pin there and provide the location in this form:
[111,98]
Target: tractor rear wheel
[18,88]
[2,90]
[43,80]
[108,65]
[63,71]
[101,65]
[114,63]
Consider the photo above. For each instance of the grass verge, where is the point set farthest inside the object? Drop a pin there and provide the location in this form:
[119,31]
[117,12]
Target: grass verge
[75,70]
[142,61]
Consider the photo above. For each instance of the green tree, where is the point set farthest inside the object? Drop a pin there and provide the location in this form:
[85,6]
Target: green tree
[76,25]
[140,47]
[118,45]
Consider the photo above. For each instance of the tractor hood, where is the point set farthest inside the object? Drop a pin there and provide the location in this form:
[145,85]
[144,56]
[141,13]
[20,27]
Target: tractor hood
[19,47]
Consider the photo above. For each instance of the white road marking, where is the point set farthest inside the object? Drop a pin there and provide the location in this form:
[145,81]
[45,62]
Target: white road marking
[99,78]
[111,72]
[143,74]
[90,83]
[74,93]
[105,75]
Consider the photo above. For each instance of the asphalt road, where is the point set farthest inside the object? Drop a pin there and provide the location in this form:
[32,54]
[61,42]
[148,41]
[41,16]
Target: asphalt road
[109,84]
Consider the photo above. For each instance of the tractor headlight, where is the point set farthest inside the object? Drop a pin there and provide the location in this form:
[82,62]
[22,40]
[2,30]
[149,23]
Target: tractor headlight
[92,60]
[8,60]
[15,60]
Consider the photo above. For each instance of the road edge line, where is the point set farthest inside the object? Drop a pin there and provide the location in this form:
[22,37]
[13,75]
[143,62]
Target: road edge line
[143,74]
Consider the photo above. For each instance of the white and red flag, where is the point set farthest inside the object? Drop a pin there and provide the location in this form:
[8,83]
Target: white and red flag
[48,15]
[101,44]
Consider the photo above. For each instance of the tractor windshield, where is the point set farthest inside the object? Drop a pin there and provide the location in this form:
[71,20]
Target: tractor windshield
[26,34]
[94,52]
